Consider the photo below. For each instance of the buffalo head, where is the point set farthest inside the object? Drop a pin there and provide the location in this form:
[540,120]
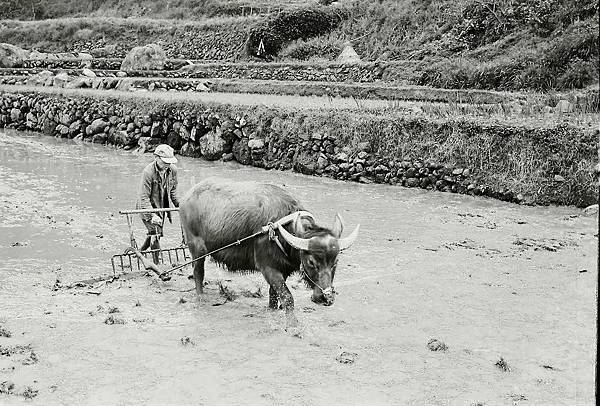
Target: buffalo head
[319,248]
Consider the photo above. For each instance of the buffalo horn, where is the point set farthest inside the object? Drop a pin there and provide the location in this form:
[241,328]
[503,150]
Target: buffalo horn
[345,243]
[298,243]
[298,227]
[338,226]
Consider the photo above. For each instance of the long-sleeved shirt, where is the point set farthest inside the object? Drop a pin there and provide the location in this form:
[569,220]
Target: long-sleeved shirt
[157,191]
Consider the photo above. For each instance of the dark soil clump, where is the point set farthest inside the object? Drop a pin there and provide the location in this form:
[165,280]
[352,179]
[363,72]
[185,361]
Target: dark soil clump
[437,345]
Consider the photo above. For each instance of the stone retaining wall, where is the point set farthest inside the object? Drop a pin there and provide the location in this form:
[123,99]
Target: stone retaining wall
[363,148]
[97,63]
[396,72]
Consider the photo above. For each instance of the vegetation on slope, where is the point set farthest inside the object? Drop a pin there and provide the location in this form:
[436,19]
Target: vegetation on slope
[488,44]
[485,44]
[171,9]
[114,37]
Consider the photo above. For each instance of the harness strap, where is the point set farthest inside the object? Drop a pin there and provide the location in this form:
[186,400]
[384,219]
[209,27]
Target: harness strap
[271,227]
[273,237]
[287,219]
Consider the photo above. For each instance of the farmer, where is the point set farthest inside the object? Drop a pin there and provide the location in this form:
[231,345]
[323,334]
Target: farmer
[158,189]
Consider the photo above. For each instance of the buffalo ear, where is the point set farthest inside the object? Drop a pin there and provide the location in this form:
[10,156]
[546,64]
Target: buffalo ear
[338,226]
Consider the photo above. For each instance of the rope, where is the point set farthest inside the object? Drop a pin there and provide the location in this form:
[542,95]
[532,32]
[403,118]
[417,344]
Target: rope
[269,228]
[326,291]
[238,242]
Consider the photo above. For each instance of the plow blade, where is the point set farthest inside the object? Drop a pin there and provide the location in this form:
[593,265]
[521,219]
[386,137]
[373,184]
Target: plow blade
[134,260]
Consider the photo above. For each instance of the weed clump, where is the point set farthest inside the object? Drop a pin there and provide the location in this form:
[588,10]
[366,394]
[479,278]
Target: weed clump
[186,341]
[4,332]
[437,345]
[502,365]
[9,388]
[227,293]
[110,320]
[29,393]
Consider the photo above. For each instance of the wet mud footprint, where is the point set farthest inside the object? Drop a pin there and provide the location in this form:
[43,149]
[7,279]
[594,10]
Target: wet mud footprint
[476,220]
[346,357]
[19,354]
[468,244]
[13,356]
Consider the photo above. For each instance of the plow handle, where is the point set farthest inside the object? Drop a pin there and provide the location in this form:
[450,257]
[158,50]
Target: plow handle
[138,211]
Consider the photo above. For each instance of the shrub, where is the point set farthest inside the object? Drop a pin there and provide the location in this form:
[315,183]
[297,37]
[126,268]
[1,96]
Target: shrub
[269,36]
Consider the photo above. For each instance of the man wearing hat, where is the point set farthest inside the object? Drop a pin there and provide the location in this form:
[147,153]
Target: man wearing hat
[158,189]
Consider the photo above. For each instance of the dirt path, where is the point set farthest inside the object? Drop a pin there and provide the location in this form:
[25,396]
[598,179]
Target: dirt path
[490,280]
[244,99]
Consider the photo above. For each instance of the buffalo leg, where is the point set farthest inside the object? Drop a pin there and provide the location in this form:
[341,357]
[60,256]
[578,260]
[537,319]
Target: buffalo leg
[199,276]
[198,249]
[277,283]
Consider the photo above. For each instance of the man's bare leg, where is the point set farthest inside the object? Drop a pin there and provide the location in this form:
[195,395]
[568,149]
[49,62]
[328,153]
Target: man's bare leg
[146,244]
[155,245]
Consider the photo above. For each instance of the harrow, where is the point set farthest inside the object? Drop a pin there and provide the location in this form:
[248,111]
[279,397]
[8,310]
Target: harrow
[135,260]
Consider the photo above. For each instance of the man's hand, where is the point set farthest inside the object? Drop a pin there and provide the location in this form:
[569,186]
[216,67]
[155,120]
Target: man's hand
[156,220]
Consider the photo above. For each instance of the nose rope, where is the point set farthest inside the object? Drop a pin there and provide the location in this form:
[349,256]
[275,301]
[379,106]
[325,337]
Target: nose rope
[326,291]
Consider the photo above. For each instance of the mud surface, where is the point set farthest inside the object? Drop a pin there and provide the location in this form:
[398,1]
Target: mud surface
[509,291]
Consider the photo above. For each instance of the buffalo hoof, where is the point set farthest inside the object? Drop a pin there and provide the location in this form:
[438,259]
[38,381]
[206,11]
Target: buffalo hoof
[277,306]
[323,300]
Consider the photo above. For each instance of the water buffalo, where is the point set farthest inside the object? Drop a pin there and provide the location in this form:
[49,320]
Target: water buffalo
[217,212]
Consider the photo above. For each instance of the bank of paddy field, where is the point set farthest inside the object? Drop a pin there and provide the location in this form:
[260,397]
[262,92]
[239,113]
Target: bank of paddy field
[539,159]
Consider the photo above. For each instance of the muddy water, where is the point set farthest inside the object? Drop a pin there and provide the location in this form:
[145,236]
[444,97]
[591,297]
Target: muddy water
[487,278]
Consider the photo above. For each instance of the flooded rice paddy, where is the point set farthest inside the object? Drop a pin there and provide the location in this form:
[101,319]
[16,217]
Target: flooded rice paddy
[510,290]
